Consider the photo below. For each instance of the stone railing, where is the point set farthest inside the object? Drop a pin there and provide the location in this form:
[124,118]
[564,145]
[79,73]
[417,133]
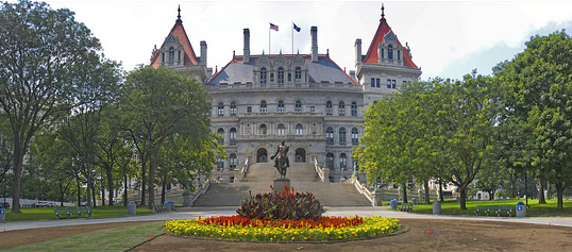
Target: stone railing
[203,188]
[239,174]
[324,173]
[374,197]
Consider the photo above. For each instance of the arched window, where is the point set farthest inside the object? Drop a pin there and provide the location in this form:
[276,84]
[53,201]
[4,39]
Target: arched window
[355,137]
[298,107]
[281,129]
[342,109]
[263,107]
[263,129]
[232,136]
[298,75]
[329,135]
[342,134]
[261,156]
[329,110]
[280,75]
[220,132]
[280,106]
[299,129]
[390,52]
[354,109]
[233,160]
[220,163]
[220,109]
[171,55]
[330,160]
[233,109]
[343,160]
[263,79]
[300,155]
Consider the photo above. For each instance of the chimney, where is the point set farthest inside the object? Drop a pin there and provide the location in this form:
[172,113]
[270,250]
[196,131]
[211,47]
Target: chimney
[358,51]
[314,32]
[203,53]
[246,46]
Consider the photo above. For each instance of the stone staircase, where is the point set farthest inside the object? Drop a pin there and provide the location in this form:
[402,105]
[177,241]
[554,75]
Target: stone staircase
[302,177]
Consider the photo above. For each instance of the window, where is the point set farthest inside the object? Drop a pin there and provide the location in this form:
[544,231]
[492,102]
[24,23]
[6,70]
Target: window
[329,110]
[330,160]
[354,109]
[342,109]
[233,109]
[398,54]
[298,75]
[355,138]
[298,107]
[220,132]
[329,135]
[382,53]
[271,77]
[232,136]
[390,52]
[342,136]
[220,109]
[210,112]
[171,55]
[388,83]
[263,129]
[179,56]
[289,77]
[249,109]
[263,75]
[343,160]
[312,109]
[263,107]
[377,83]
[281,106]
[280,75]
[299,129]
[393,84]
[281,129]
[163,58]
[233,160]
[220,163]
[372,82]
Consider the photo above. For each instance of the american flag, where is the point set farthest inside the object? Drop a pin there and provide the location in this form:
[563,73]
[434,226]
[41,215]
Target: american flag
[273,27]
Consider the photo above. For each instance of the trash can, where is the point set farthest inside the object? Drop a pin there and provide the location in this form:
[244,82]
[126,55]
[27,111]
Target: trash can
[2,214]
[393,204]
[131,208]
[168,206]
[414,201]
[436,207]
[520,209]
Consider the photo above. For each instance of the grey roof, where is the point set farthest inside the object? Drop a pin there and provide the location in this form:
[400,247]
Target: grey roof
[323,71]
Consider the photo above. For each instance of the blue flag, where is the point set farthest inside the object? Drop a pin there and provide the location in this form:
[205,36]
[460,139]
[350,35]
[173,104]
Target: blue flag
[296,27]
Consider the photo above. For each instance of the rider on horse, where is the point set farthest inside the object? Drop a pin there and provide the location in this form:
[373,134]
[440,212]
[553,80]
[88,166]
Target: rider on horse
[281,163]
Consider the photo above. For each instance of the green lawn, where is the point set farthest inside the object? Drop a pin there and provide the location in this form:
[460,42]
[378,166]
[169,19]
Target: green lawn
[33,214]
[451,207]
[113,239]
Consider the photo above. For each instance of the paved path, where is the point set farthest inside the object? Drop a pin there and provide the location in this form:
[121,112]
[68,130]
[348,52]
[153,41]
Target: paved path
[195,212]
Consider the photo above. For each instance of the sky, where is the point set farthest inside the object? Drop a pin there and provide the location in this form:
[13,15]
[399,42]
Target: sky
[448,39]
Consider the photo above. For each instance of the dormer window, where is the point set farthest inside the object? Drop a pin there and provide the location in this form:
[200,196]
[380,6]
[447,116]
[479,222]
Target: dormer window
[298,75]
[171,55]
[263,75]
[398,55]
[390,52]
[280,75]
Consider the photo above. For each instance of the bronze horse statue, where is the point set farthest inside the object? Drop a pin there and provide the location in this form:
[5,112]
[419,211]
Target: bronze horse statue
[281,163]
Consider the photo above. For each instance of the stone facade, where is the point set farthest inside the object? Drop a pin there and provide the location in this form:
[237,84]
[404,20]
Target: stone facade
[304,99]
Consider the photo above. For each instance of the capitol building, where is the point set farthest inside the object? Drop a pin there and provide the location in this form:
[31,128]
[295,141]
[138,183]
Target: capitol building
[304,99]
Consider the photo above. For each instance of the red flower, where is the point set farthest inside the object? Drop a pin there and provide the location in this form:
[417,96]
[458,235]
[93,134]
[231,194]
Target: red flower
[286,188]
[284,194]
[291,195]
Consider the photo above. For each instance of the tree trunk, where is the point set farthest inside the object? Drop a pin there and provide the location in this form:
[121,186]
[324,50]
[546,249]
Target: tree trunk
[491,195]
[102,197]
[18,163]
[405,192]
[125,198]
[94,194]
[88,177]
[110,184]
[163,191]
[548,190]
[152,168]
[559,191]
[541,199]
[441,192]
[463,197]
[78,191]
[143,182]
[426,185]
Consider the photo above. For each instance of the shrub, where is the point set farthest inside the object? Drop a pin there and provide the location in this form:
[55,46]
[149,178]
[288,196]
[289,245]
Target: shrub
[288,205]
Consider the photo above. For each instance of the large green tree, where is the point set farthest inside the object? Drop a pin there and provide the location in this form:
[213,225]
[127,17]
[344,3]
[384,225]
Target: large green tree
[38,44]
[158,104]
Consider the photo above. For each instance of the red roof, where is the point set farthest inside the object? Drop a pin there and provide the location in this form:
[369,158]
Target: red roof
[179,32]
[383,28]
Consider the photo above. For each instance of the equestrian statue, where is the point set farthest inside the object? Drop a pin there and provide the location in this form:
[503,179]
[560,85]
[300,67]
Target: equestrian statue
[281,162]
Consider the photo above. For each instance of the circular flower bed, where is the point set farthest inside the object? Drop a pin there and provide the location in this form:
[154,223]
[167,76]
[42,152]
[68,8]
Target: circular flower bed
[276,230]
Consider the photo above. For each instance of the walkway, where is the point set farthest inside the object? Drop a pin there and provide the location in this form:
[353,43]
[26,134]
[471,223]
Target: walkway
[195,212]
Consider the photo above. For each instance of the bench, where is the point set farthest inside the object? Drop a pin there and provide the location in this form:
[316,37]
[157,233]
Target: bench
[498,209]
[69,211]
[159,208]
[406,207]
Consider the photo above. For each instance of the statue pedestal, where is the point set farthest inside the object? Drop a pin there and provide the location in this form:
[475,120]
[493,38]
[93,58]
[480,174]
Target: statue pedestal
[279,185]
[187,199]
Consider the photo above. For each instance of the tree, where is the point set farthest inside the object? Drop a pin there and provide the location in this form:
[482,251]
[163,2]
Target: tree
[158,104]
[540,79]
[38,46]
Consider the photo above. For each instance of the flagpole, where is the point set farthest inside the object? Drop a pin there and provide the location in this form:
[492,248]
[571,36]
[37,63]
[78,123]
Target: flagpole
[292,37]
[269,41]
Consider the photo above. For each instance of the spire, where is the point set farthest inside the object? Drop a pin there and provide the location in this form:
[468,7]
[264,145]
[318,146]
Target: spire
[382,12]
[179,14]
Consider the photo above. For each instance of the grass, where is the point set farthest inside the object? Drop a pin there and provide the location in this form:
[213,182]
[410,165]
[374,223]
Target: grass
[451,207]
[35,214]
[113,239]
